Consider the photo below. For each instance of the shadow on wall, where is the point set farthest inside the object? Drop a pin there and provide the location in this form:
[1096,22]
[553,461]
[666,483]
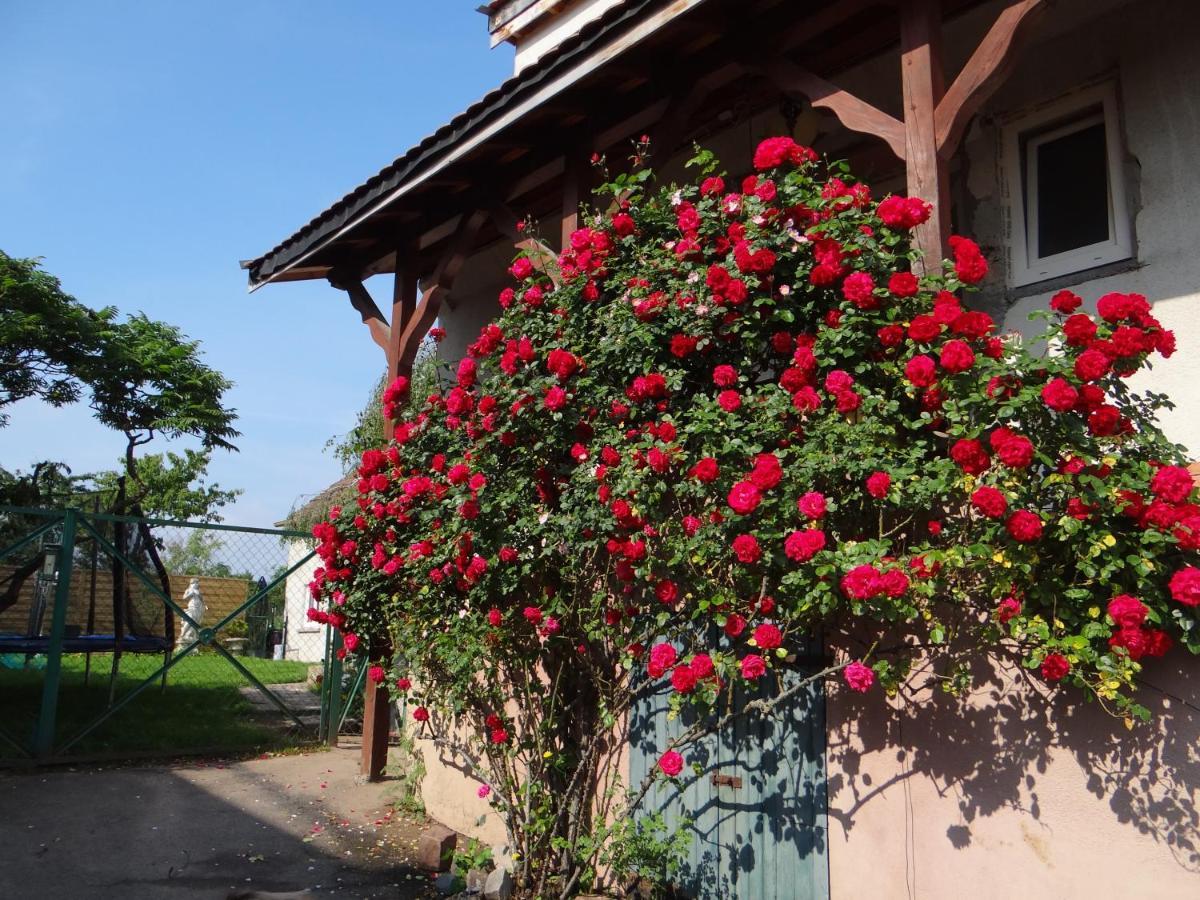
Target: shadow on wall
[1013,747]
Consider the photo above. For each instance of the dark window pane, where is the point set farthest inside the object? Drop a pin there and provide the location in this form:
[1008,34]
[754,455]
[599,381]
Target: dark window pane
[1072,191]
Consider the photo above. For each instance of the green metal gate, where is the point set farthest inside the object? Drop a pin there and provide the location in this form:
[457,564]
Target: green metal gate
[100,656]
[756,810]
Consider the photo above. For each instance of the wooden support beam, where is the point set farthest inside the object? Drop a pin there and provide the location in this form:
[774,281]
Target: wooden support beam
[924,86]
[436,288]
[854,113]
[404,305]
[573,193]
[987,68]
[361,300]
[377,723]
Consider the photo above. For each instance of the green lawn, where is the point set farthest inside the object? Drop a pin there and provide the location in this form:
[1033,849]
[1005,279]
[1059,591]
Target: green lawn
[201,708]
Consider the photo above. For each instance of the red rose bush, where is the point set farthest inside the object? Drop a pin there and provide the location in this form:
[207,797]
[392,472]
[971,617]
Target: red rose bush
[726,416]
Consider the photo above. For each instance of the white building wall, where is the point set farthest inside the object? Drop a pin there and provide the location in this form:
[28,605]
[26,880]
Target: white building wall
[303,640]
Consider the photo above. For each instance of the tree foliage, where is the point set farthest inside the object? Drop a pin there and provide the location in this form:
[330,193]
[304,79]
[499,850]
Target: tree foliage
[728,420]
[47,337]
[142,377]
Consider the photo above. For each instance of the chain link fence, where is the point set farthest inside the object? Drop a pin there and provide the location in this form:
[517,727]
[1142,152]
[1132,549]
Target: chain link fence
[124,637]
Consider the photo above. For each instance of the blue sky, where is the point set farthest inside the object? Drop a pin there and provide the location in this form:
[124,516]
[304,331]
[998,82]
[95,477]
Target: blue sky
[148,146]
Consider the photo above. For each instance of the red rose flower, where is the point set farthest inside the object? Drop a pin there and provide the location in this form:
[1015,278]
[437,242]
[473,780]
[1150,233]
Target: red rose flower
[1104,421]
[555,399]
[768,636]
[903,213]
[494,617]
[623,224]
[858,677]
[1132,640]
[667,592]
[724,376]
[862,583]
[989,501]
[1024,526]
[801,546]
[729,400]
[421,714]
[859,289]
[753,667]
[1009,608]
[1065,302]
[957,356]
[671,763]
[702,666]
[1127,611]
[1059,395]
[767,471]
[744,498]
[1172,483]
[1185,586]
[662,657]
[890,336]
[924,329]
[921,371]
[1079,330]
[1055,667]
[969,264]
[533,615]
[970,455]
[705,470]
[878,484]
[903,284]
[746,549]
[812,505]
[1014,450]
[1091,365]
[683,679]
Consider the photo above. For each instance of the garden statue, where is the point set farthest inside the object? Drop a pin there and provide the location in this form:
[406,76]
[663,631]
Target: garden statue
[190,633]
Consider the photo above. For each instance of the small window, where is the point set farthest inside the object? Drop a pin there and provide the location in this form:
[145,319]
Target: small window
[1066,190]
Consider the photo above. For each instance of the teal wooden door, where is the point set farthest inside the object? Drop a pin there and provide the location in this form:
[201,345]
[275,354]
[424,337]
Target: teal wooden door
[758,805]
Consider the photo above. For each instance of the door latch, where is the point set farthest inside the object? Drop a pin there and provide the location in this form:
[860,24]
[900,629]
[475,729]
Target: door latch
[732,781]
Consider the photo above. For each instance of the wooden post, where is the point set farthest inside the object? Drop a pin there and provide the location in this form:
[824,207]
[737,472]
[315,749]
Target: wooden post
[377,710]
[404,305]
[924,85]
[572,194]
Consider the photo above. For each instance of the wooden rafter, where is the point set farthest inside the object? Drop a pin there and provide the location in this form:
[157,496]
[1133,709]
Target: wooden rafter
[987,68]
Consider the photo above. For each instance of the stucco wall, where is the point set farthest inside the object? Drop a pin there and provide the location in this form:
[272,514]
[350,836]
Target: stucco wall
[1011,793]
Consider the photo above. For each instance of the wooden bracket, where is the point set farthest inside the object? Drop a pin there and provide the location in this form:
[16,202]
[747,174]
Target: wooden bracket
[987,68]
[366,307]
[732,781]
[854,113]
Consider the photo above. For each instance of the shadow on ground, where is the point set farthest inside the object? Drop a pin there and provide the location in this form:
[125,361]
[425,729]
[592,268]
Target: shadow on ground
[200,830]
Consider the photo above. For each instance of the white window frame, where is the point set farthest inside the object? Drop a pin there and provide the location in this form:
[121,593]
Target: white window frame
[1021,138]
[307,625]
